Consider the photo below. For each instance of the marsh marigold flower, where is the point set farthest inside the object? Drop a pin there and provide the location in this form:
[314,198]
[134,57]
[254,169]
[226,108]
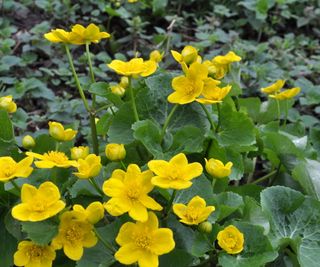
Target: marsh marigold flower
[52,159]
[115,152]
[287,94]
[212,93]
[176,173]
[75,233]
[93,213]
[187,88]
[188,55]
[135,67]
[143,242]
[8,104]
[58,36]
[79,152]
[194,212]
[38,204]
[129,193]
[156,56]
[88,167]
[231,240]
[273,88]
[10,169]
[30,254]
[217,169]
[57,131]
[91,34]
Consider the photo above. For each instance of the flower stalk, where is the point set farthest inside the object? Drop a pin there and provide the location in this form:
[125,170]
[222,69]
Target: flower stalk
[167,121]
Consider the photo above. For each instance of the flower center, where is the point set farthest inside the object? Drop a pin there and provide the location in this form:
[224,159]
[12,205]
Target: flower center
[73,233]
[9,170]
[38,205]
[133,193]
[174,174]
[231,242]
[143,241]
[35,252]
[55,156]
[192,213]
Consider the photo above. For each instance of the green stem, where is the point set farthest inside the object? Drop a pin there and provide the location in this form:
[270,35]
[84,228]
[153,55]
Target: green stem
[83,97]
[286,113]
[263,178]
[94,135]
[123,165]
[271,181]
[213,126]
[86,105]
[133,101]
[15,186]
[104,107]
[169,206]
[166,123]
[91,72]
[107,245]
[219,119]
[95,185]
[278,110]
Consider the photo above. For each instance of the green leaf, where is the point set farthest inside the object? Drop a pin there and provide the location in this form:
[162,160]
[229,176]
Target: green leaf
[8,245]
[257,248]
[104,124]
[177,257]
[148,133]
[44,143]
[236,129]
[40,232]
[158,6]
[120,130]
[307,173]
[6,133]
[188,139]
[294,221]
[103,89]
[225,203]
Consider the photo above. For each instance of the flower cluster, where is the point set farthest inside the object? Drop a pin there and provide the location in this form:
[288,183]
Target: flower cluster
[274,91]
[200,81]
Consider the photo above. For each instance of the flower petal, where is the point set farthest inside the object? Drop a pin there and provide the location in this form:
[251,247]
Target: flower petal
[163,241]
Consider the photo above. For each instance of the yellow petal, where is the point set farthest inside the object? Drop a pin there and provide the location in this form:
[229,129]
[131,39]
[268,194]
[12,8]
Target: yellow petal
[192,170]
[113,187]
[150,203]
[95,212]
[179,209]
[163,241]
[177,56]
[148,259]
[180,160]
[21,212]
[125,234]
[138,212]
[159,167]
[74,251]
[128,254]
[28,192]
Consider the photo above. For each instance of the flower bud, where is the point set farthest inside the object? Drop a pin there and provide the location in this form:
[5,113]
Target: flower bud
[205,227]
[115,152]
[79,152]
[57,131]
[189,54]
[28,142]
[156,56]
[124,82]
[7,104]
[217,169]
[118,90]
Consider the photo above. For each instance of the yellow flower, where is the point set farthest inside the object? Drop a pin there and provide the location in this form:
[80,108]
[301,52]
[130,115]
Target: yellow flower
[93,213]
[91,34]
[115,152]
[176,173]
[58,36]
[217,169]
[156,56]
[88,167]
[75,233]
[188,88]
[143,242]
[135,67]
[231,240]
[7,104]
[129,193]
[52,159]
[28,142]
[287,94]
[220,64]
[124,82]
[9,168]
[38,204]
[118,90]
[79,152]
[188,55]
[212,93]
[195,212]
[273,88]
[30,254]
[57,131]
